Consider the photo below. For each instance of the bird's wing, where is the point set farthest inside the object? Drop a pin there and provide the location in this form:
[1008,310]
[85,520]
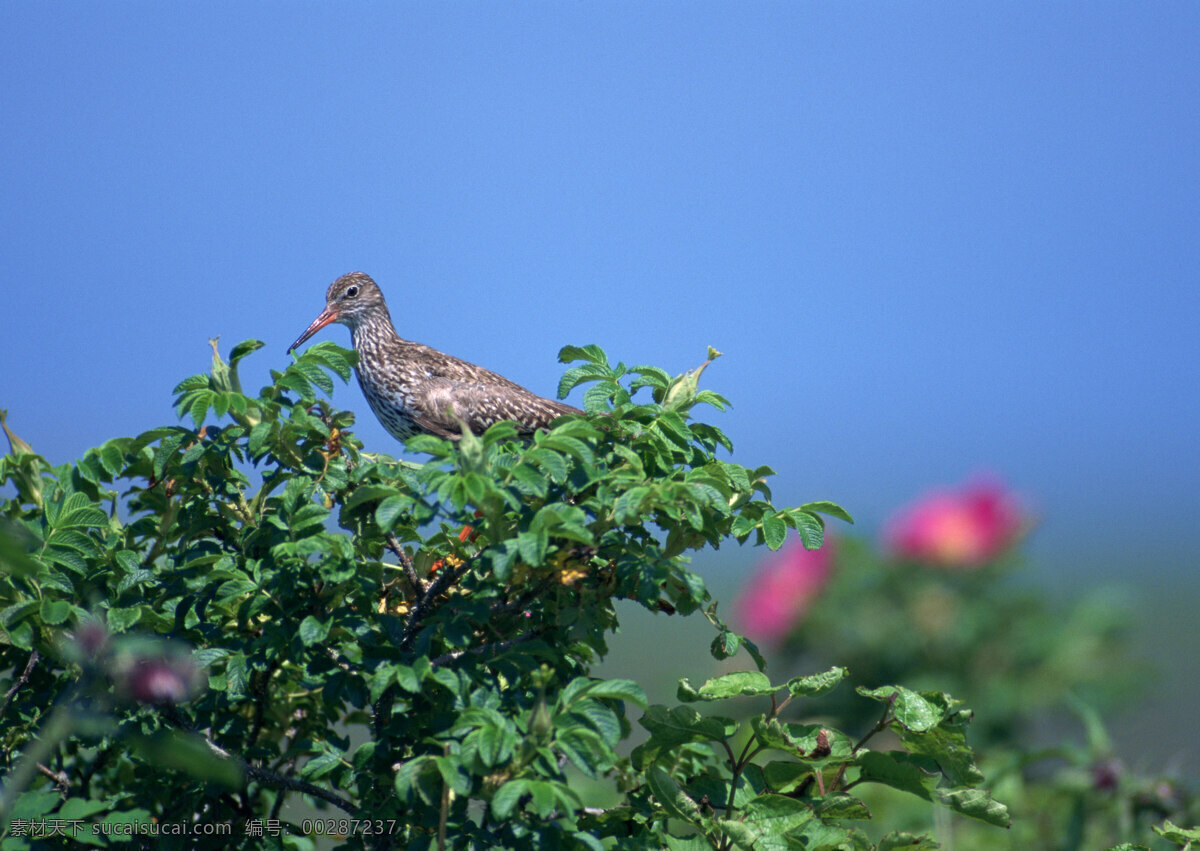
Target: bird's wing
[480,405]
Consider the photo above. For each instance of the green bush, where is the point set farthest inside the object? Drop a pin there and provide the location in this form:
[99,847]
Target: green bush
[201,625]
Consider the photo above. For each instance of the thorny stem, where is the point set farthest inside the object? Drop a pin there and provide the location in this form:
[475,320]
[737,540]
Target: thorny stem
[406,564]
[446,577]
[21,680]
[485,649]
[254,772]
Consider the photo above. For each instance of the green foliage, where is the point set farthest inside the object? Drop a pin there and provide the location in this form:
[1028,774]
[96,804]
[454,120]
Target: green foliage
[767,783]
[205,622]
[1006,648]
[1029,666]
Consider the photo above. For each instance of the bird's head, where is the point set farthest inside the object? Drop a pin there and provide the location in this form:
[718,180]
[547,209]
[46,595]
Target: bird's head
[348,301]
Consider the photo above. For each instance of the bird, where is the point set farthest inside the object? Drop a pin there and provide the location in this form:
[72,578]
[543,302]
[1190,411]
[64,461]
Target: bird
[415,389]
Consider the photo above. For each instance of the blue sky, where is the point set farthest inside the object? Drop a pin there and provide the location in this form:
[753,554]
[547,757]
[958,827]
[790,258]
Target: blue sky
[931,239]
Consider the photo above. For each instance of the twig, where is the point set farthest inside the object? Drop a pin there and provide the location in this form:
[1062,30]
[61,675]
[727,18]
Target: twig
[278,781]
[497,647]
[254,772]
[382,708]
[60,779]
[21,680]
[523,601]
[879,727]
[406,564]
[446,577]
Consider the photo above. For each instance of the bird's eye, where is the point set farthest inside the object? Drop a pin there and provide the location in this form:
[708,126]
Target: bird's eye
[351,292]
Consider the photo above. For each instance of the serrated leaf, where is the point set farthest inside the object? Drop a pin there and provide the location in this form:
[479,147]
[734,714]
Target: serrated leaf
[898,839]
[390,509]
[814,685]
[112,458]
[313,631]
[626,690]
[54,612]
[831,508]
[677,803]
[763,823]
[670,728]
[774,530]
[550,461]
[532,546]
[315,374]
[915,711]
[192,382]
[734,684]
[529,478]
[725,644]
[810,527]
[1175,833]
[244,348]
[198,406]
[975,803]
[591,353]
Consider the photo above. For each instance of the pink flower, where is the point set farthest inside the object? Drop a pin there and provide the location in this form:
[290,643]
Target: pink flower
[156,672]
[956,528]
[163,680]
[784,586]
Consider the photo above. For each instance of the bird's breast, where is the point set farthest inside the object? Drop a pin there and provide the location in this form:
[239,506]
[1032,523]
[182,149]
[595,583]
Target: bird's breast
[393,403]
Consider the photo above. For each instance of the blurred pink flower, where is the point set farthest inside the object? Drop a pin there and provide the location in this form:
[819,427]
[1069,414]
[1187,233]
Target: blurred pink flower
[156,672]
[956,528]
[163,679]
[784,586]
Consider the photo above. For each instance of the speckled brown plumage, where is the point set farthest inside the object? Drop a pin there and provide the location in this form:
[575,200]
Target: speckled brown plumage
[413,388]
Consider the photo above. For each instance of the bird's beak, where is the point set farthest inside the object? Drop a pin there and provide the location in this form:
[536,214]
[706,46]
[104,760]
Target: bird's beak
[327,316]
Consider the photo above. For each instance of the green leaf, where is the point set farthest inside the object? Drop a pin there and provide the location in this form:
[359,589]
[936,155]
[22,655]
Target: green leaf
[198,406]
[390,510]
[532,546]
[977,804]
[899,839]
[670,728]
[313,631]
[912,710]
[830,508]
[626,690]
[815,744]
[774,531]
[242,349]
[112,457]
[917,776]
[810,527]
[591,353]
[815,685]
[420,778]
[550,461]
[725,644]
[763,822]
[671,797]
[728,685]
[121,619]
[506,797]
[81,808]
[55,612]
[843,806]
[948,747]
[1177,834]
